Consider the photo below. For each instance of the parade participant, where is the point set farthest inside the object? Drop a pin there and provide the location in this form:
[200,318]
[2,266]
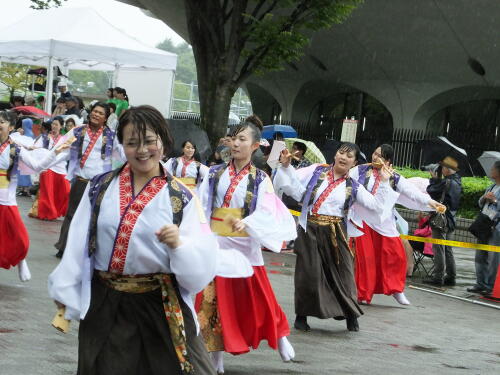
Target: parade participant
[324,275]
[92,153]
[190,171]
[24,180]
[380,254]
[14,240]
[52,198]
[236,314]
[146,249]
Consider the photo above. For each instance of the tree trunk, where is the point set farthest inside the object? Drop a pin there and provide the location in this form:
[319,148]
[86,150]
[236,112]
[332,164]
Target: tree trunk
[215,103]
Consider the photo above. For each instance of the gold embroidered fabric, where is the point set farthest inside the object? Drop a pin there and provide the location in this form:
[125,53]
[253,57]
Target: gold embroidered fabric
[335,224]
[222,220]
[208,316]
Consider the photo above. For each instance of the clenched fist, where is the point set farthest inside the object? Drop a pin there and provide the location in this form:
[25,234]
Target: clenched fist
[169,235]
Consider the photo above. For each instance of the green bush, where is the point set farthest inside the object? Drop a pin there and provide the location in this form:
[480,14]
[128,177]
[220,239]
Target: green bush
[472,189]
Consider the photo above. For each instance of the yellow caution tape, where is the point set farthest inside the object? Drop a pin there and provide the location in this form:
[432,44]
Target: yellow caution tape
[452,243]
[468,245]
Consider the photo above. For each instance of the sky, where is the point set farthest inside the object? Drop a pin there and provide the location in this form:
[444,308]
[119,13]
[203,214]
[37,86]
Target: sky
[127,18]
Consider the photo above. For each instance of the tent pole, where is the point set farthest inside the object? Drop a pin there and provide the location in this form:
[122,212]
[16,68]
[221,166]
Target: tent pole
[116,73]
[48,88]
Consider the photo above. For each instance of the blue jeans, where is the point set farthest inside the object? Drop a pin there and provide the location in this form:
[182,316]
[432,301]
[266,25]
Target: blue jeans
[486,268]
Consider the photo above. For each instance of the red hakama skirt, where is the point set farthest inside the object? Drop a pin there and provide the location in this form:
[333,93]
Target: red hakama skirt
[52,198]
[248,312]
[14,240]
[380,264]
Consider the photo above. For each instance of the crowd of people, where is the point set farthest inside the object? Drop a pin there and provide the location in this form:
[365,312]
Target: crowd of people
[157,249]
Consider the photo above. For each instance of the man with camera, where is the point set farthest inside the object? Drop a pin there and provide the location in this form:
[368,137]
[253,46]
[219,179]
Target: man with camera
[445,186]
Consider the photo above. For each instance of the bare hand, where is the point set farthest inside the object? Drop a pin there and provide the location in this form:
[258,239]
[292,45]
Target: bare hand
[169,235]
[285,158]
[490,197]
[238,225]
[65,145]
[386,172]
[441,208]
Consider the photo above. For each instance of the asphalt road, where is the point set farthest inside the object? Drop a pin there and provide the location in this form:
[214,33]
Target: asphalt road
[435,335]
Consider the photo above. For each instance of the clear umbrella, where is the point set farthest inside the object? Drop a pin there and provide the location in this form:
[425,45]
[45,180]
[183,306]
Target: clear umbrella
[487,159]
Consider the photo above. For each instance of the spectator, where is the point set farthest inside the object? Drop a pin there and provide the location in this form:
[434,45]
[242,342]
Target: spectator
[40,101]
[445,186]
[60,108]
[113,118]
[72,106]
[83,114]
[109,93]
[30,101]
[120,98]
[298,151]
[63,89]
[487,261]
[17,101]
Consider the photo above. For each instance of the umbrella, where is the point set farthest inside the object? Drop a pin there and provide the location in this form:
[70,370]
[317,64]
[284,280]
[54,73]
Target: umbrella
[487,159]
[183,130]
[233,119]
[30,110]
[313,154]
[286,130]
[437,149]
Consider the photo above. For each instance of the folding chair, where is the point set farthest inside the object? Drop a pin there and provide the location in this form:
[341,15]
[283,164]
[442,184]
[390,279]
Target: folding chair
[419,259]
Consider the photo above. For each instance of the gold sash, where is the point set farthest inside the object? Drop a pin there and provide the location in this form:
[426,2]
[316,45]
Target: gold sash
[190,182]
[4,182]
[222,221]
[171,305]
[335,225]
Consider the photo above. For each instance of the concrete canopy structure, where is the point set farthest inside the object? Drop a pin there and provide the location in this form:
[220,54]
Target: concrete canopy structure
[414,57]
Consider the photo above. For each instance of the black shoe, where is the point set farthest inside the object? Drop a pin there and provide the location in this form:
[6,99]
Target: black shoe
[352,324]
[449,281]
[301,323]
[59,254]
[476,289]
[486,292]
[433,281]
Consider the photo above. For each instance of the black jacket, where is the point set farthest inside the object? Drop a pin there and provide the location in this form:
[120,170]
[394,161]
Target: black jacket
[452,195]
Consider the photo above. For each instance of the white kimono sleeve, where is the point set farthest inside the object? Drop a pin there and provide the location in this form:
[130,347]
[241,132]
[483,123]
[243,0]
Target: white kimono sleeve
[411,197]
[293,182]
[69,283]
[40,159]
[271,223]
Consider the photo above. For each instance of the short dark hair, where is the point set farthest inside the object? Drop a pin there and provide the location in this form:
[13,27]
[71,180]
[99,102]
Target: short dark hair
[61,100]
[189,141]
[9,116]
[113,106]
[17,98]
[300,146]
[387,152]
[350,147]
[496,165]
[143,117]
[60,119]
[104,106]
[47,125]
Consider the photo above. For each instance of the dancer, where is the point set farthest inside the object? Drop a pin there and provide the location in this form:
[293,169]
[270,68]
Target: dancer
[236,314]
[52,198]
[190,171]
[324,275]
[380,254]
[24,180]
[138,248]
[92,153]
[14,240]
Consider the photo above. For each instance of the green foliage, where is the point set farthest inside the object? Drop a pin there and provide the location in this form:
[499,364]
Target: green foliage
[472,189]
[80,79]
[14,77]
[186,67]
[45,4]
[280,36]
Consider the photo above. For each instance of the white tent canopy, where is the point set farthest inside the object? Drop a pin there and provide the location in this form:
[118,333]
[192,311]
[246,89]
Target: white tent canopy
[77,38]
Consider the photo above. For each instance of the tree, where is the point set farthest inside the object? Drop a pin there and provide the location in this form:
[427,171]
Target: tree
[186,67]
[14,77]
[45,4]
[233,39]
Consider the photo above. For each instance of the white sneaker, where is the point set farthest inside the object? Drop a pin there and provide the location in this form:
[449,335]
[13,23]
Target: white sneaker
[218,361]
[401,298]
[285,349]
[24,271]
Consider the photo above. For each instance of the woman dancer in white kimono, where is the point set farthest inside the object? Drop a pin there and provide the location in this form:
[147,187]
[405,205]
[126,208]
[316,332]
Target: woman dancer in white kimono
[380,254]
[149,249]
[324,274]
[236,314]
[190,171]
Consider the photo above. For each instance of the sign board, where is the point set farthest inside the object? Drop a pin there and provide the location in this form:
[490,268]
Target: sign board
[349,128]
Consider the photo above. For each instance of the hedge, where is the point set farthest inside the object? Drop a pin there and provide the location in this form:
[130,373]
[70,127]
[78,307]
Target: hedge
[472,189]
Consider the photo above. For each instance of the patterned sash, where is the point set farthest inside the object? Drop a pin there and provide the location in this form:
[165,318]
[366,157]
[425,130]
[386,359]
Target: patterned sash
[332,184]
[54,140]
[235,179]
[13,156]
[93,139]
[175,164]
[365,171]
[4,145]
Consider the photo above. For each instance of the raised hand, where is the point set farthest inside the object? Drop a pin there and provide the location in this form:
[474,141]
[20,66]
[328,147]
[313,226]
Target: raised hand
[285,158]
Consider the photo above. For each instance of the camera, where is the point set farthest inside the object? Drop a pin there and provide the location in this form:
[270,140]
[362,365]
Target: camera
[430,167]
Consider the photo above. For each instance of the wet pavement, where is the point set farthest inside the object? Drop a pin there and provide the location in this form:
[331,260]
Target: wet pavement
[435,335]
